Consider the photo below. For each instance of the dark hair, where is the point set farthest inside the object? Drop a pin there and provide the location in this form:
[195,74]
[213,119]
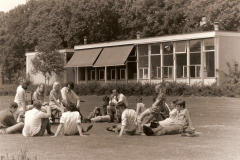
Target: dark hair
[71,84]
[121,104]
[13,105]
[70,106]
[106,98]
[37,104]
[181,103]
[97,109]
[175,101]
[115,89]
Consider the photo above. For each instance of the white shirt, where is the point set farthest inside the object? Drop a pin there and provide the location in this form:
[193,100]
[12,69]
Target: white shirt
[122,98]
[128,119]
[20,97]
[171,120]
[70,121]
[33,122]
[69,96]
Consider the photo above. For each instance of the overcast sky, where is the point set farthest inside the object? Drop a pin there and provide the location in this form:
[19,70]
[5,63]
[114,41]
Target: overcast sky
[6,5]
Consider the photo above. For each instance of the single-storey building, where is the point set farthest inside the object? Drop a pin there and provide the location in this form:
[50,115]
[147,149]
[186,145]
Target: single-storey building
[189,58]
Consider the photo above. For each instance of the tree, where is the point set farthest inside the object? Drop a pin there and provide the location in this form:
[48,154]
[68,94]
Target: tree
[48,60]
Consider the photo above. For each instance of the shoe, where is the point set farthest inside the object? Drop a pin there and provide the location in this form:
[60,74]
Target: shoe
[51,134]
[148,131]
[190,134]
[2,131]
[88,128]
[109,129]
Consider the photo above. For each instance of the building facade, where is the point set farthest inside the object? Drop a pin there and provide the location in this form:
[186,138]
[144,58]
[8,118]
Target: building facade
[188,58]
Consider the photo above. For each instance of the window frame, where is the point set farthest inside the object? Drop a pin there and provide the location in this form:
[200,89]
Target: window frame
[93,74]
[122,69]
[103,74]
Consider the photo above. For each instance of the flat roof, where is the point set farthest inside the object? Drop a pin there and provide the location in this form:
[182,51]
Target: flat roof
[166,38]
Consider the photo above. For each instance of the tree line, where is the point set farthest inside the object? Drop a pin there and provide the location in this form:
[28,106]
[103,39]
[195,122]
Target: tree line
[63,23]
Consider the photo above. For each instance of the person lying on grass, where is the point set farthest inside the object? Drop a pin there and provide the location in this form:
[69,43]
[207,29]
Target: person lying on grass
[96,116]
[128,124]
[8,124]
[70,122]
[180,124]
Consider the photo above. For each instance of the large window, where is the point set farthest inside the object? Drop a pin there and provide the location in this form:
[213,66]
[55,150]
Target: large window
[122,73]
[143,61]
[113,71]
[132,70]
[181,57]
[155,61]
[81,73]
[92,74]
[195,58]
[101,74]
[168,60]
[209,58]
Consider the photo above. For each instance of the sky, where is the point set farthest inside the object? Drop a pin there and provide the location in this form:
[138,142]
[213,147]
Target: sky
[6,5]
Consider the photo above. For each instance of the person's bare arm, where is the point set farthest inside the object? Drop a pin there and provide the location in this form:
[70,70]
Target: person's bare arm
[58,129]
[80,130]
[121,132]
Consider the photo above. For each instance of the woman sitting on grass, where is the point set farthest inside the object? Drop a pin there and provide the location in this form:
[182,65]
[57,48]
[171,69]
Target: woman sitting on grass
[55,98]
[96,116]
[70,122]
[179,122]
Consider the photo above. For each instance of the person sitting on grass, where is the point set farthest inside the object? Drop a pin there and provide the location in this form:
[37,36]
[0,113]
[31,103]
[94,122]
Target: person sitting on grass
[70,122]
[96,116]
[105,104]
[55,98]
[182,123]
[36,121]
[128,124]
[8,125]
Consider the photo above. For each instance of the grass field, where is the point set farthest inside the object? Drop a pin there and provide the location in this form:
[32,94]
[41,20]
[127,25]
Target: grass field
[218,120]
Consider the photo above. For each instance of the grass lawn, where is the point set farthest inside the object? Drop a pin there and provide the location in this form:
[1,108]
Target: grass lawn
[217,119]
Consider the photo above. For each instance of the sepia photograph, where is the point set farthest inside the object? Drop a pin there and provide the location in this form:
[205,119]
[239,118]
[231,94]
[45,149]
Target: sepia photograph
[119,79]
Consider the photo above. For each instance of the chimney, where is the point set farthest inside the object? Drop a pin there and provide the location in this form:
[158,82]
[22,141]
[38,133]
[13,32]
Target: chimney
[85,39]
[216,26]
[138,35]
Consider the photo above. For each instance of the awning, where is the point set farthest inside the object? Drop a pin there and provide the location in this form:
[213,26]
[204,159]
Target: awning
[83,58]
[114,56]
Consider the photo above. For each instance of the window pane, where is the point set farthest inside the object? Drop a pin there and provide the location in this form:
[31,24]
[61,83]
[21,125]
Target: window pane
[198,71]
[209,44]
[159,72]
[81,72]
[185,71]
[143,61]
[113,73]
[210,64]
[132,70]
[170,72]
[181,61]
[140,73]
[122,74]
[155,63]
[155,48]
[167,48]
[143,50]
[195,46]
[93,74]
[145,73]
[195,58]
[101,74]
[165,72]
[167,60]
[181,47]
[192,71]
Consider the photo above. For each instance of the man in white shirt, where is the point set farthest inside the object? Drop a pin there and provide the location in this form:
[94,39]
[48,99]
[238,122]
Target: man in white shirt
[69,95]
[36,121]
[20,99]
[114,100]
[70,122]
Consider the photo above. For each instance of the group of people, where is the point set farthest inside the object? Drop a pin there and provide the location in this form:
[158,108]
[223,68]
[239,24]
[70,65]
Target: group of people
[159,119]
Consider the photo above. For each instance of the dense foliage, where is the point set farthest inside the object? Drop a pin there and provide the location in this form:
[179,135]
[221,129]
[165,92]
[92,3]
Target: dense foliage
[66,22]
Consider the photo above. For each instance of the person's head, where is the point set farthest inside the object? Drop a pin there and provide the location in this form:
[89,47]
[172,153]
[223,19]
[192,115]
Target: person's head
[180,105]
[173,103]
[24,85]
[20,80]
[13,107]
[97,110]
[56,86]
[139,100]
[106,98]
[70,86]
[37,104]
[70,106]
[115,92]
[41,88]
[159,88]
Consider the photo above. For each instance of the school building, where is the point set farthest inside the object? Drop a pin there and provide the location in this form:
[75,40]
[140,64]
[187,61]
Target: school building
[188,58]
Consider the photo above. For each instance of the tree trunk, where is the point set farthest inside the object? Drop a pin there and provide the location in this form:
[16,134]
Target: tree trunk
[45,78]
